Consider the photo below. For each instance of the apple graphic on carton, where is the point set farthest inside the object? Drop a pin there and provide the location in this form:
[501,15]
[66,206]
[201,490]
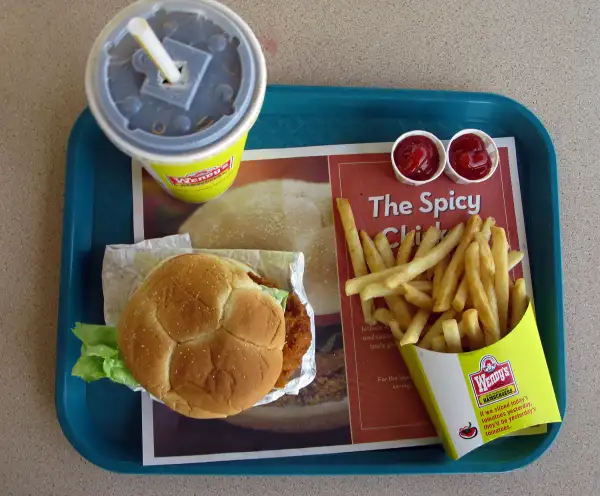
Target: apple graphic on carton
[468,431]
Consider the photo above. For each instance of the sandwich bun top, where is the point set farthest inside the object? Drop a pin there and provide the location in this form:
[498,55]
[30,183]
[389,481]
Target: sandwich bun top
[202,337]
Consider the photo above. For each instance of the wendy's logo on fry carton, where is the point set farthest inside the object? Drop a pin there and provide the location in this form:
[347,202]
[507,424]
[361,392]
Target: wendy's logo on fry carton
[202,176]
[489,364]
[493,382]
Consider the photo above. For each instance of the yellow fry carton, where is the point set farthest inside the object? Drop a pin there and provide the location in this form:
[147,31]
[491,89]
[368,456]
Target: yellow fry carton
[478,396]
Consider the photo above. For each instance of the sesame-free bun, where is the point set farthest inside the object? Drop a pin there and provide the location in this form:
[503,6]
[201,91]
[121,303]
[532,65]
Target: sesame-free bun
[202,337]
[281,215]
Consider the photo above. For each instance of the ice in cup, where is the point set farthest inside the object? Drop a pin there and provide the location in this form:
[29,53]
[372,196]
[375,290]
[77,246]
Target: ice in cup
[189,135]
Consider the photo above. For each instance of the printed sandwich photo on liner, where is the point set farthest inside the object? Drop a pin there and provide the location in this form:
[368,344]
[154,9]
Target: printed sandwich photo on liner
[363,396]
[274,205]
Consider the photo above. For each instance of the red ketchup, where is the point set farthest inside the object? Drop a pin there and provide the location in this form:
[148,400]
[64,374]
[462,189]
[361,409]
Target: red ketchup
[469,158]
[417,158]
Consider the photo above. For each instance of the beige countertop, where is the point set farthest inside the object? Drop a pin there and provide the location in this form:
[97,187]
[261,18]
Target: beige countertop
[543,53]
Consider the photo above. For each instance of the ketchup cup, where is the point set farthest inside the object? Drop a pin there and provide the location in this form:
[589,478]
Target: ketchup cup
[418,157]
[485,153]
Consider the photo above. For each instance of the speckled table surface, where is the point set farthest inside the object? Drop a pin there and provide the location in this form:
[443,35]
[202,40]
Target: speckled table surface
[544,53]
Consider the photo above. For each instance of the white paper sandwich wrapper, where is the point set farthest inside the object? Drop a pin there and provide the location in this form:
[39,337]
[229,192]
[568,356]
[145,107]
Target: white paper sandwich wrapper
[126,266]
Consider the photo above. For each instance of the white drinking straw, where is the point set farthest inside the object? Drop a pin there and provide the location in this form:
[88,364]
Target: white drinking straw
[139,28]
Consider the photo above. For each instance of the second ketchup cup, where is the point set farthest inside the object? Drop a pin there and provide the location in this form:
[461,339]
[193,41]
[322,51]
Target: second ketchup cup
[478,152]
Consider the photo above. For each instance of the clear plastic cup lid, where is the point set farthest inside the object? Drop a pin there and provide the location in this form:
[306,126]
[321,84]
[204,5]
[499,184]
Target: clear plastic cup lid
[219,59]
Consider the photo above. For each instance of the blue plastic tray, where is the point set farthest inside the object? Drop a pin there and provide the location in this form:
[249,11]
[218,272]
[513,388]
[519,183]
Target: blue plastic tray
[103,421]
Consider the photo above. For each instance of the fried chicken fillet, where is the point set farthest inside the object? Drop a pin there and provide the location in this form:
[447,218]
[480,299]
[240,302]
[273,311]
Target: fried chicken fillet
[297,332]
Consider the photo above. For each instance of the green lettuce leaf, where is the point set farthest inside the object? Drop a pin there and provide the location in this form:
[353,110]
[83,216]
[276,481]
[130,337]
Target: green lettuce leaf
[99,350]
[93,334]
[279,294]
[115,370]
[100,357]
[89,368]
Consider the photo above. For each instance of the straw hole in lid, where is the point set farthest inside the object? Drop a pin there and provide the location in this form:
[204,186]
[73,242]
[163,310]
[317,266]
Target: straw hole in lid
[181,67]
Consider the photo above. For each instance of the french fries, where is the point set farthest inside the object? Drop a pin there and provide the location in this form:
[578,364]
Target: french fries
[488,270]
[461,296]
[488,267]
[405,249]
[415,328]
[390,279]
[359,264]
[436,329]
[452,336]
[372,255]
[456,266]
[518,303]
[438,344]
[357,258]
[384,249]
[412,269]
[428,241]
[376,263]
[425,286]
[387,318]
[501,281]
[438,274]
[467,292]
[417,298]
[462,291]
[486,228]
[401,310]
[461,332]
[514,259]
[477,292]
[470,324]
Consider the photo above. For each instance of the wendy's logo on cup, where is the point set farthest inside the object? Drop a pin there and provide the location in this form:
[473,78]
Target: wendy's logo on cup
[494,381]
[202,176]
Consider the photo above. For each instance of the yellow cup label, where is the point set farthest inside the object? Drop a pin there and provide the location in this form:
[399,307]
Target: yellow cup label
[203,180]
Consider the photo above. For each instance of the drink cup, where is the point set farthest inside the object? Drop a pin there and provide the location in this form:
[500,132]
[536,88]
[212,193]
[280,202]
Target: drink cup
[189,135]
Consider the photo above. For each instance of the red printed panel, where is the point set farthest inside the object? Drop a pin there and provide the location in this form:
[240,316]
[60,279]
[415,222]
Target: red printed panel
[384,405]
